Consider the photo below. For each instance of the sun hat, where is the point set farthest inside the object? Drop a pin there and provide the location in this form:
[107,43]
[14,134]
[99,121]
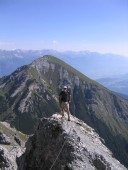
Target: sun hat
[65,87]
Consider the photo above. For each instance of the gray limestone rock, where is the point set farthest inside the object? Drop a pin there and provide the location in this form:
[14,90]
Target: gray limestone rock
[59,144]
[11,147]
[4,139]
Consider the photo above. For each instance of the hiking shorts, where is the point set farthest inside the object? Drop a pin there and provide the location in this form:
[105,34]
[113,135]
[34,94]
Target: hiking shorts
[64,105]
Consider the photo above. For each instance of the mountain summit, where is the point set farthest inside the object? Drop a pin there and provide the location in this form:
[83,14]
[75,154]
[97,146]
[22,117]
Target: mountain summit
[31,92]
[61,145]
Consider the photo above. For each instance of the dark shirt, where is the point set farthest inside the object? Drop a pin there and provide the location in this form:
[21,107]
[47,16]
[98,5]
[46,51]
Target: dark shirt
[65,96]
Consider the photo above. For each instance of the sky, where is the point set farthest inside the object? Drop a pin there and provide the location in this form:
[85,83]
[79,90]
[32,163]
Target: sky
[76,25]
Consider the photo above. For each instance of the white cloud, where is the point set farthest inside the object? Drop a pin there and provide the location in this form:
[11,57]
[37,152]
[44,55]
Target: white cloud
[54,42]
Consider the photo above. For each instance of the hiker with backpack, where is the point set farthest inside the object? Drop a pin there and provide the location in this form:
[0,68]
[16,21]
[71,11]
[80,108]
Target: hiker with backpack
[64,100]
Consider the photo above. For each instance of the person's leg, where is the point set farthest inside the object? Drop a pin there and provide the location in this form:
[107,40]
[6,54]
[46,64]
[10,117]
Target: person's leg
[62,109]
[68,111]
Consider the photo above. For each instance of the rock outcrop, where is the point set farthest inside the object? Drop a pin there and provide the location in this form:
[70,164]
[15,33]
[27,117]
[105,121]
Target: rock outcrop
[31,92]
[11,146]
[58,144]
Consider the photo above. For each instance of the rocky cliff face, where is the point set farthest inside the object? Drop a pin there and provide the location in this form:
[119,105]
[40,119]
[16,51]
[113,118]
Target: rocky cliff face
[31,93]
[11,146]
[58,144]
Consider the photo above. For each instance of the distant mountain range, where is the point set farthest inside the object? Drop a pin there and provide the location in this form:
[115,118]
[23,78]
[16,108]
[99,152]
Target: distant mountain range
[108,69]
[92,64]
[116,83]
[11,60]
[31,92]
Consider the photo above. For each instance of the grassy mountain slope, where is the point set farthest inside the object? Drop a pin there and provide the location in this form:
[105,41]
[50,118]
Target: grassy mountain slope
[31,92]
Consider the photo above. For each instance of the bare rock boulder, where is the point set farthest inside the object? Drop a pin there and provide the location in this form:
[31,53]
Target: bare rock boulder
[59,144]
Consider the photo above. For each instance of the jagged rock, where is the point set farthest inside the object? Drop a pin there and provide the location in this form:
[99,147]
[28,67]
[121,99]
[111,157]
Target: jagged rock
[11,146]
[59,144]
[7,159]
[17,140]
[4,139]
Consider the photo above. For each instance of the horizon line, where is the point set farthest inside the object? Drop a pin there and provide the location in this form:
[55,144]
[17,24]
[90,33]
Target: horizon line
[64,51]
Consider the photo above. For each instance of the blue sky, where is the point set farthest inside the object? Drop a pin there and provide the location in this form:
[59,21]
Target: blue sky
[94,25]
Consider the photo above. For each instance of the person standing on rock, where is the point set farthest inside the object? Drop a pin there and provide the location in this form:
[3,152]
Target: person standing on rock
[64,100]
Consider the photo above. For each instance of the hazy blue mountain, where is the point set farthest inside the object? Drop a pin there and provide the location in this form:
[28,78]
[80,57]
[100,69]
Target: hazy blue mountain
[116,83]
[96,65]
[122,95]
[11,60]
[92,64]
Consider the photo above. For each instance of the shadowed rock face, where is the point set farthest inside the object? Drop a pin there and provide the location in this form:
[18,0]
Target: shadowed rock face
[11,146]
[79,146]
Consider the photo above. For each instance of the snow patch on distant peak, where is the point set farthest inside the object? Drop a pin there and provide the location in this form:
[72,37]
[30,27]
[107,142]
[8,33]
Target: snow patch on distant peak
[18,56]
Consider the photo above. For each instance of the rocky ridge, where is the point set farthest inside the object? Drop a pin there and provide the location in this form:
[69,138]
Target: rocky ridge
[58,144]
[12,146]
[31,92]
